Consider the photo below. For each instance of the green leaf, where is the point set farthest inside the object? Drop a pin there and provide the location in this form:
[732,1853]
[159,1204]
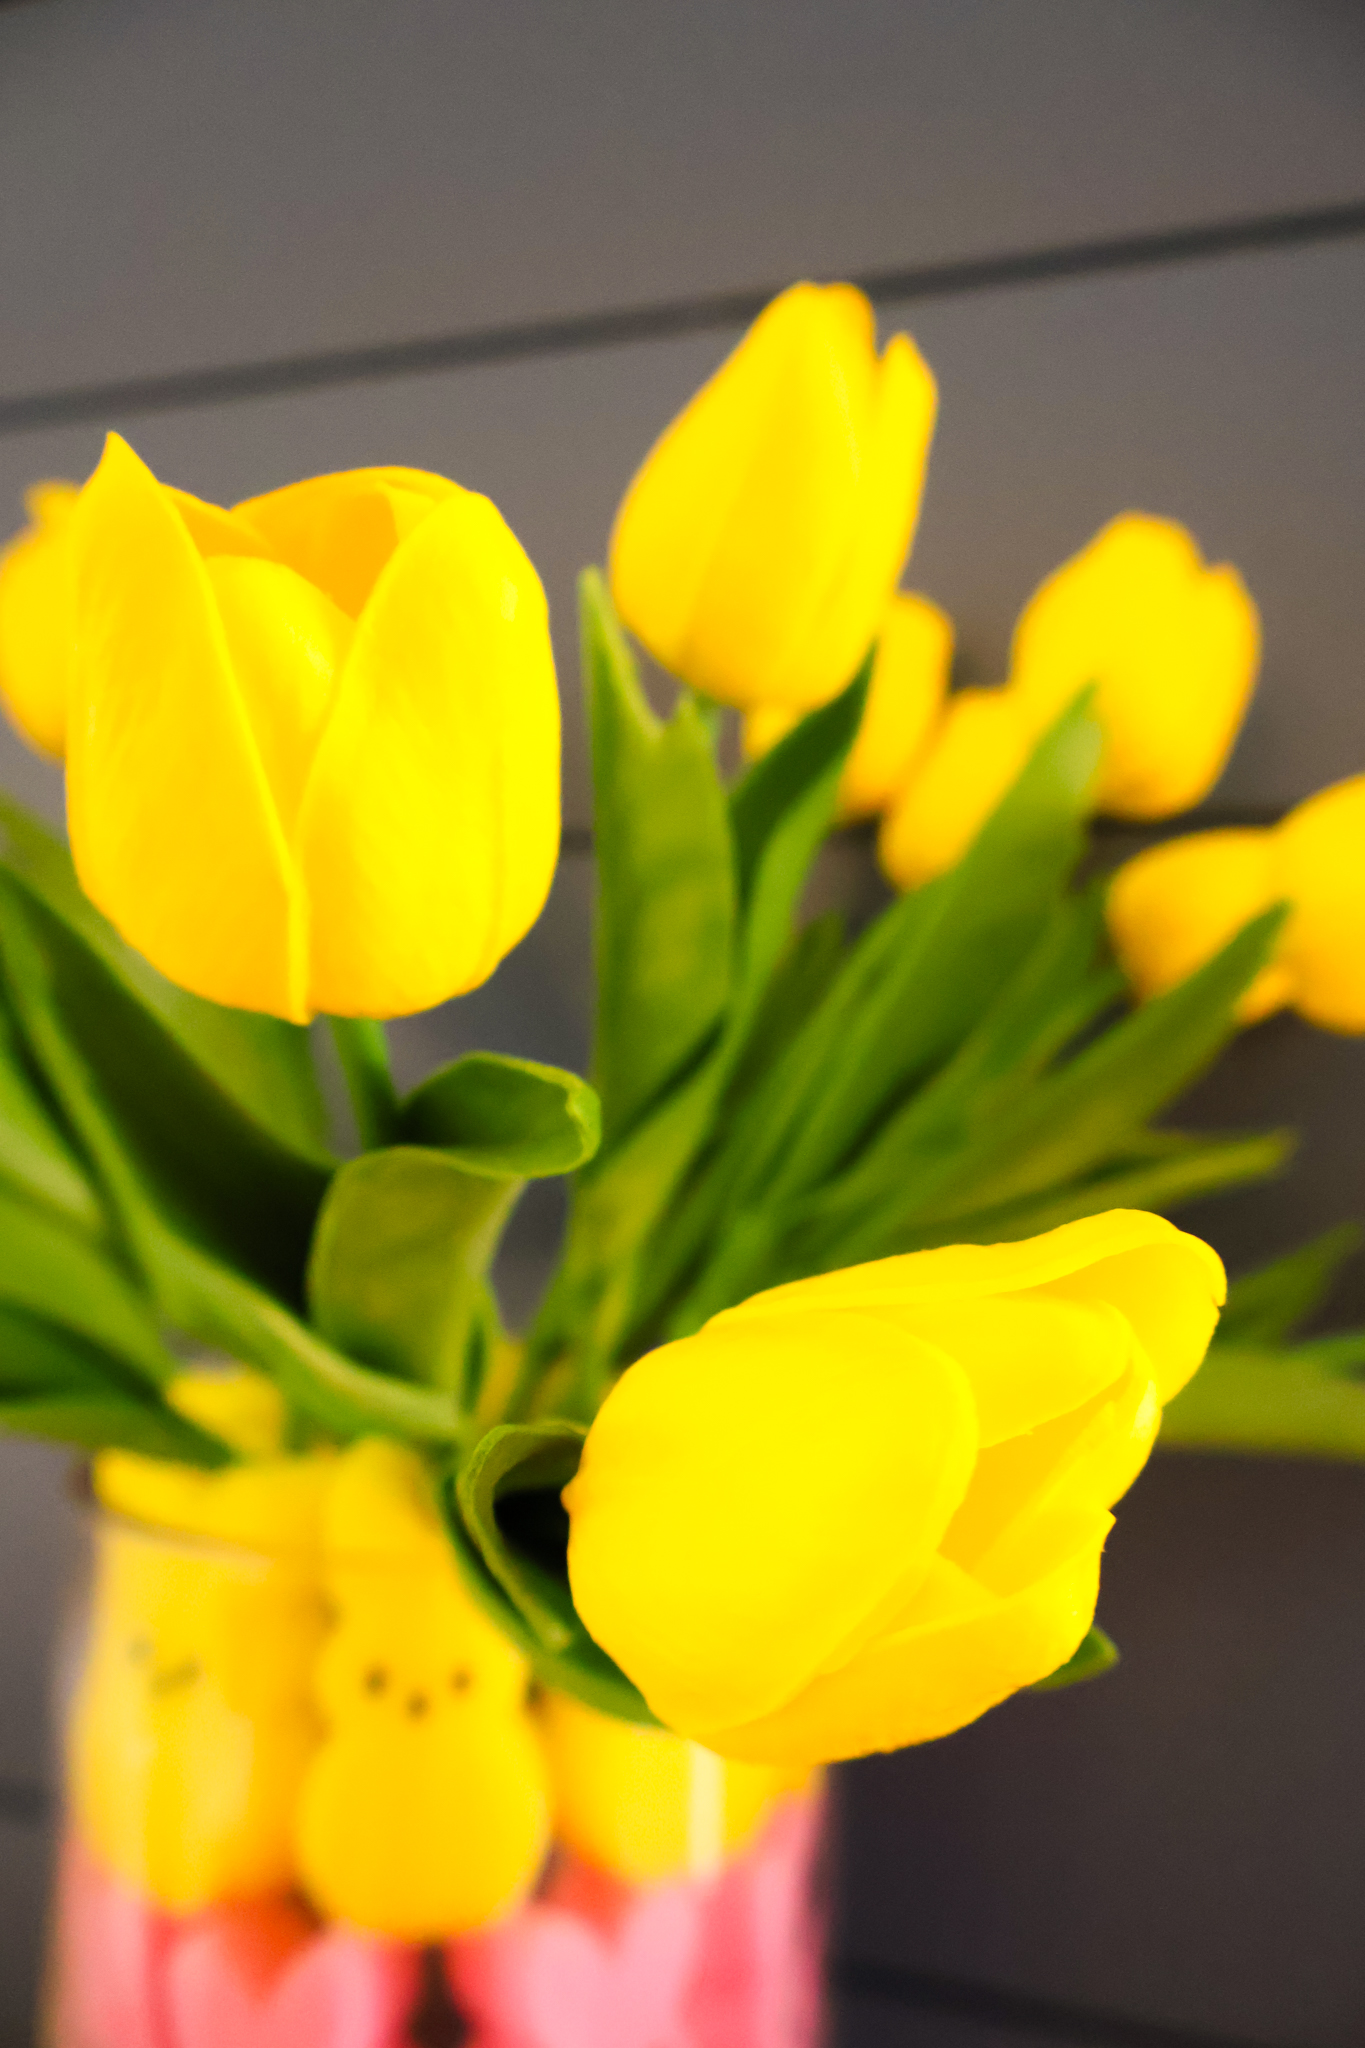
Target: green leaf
[55,1382]
[1307,1401]
[1091,1108]
[1063,983]
[665,876]
[403,1241]
[514,1462]
[92,1423]
[264,1064]
[510,1534]
[36,1156]
[916,985]
[1264,1307]
[910,990]
[800,981]
[581,1669]
[196,1285]
[506,1118]
[780,814]
[1186,1171]
[47,1271]
[362,1048]
[1097,1654]
[340,1397]
[173,1136]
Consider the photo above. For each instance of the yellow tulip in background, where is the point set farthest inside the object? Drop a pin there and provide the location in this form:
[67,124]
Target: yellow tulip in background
[858,1510]
[1172,648]
[756,550]
[314,741]
[905,697]
[978,749]
[1173,907]
[36,619]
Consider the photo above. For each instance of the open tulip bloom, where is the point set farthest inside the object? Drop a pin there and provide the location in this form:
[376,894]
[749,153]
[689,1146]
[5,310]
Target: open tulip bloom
[867,1310]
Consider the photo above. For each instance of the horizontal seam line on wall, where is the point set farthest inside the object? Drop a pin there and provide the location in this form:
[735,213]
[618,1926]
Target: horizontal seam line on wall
[664,321]
[1018,2011]
[578,839]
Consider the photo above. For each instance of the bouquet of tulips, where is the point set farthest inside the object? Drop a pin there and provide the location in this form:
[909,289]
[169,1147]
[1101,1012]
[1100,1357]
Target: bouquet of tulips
[867,1310]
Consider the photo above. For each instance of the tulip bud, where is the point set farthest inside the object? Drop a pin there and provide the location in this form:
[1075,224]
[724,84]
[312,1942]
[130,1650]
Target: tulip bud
[904,698]
[35,619]
[314,750]
[859,1510]
[756,550]
[1173,647]
[979,748]
[1173,907]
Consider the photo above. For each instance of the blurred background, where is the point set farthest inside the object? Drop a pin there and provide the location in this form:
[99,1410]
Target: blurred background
[265,238]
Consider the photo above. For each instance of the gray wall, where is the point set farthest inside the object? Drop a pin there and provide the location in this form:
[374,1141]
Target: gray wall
[264,237]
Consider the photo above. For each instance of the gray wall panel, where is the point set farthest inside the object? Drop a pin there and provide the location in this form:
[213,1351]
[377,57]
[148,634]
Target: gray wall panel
[1184,1840]
[1228,393]
[200,184]
[24,1866]
[40,1543]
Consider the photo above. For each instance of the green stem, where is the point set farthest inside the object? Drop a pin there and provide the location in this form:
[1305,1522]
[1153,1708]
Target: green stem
[364,1054]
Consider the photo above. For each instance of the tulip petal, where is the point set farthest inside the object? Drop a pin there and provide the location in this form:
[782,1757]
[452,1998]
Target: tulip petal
[957,1272]
[958,1652]
[1028,1357]
[904,701]
[1079,1462]
[1170,1294]
[340,530]
[1319,864]
[214,531]
[779,556]
[36,621]
[721,1569]
[734,531]
[1174,648]
[286,641]
[1169,1284]
[838,626]
[677,514]
[172,827]
[430,827]
[978,749]
[1172,907]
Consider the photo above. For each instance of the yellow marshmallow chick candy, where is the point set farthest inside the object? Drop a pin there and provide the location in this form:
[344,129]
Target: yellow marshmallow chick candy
[647,1805]
[193,1722]
[425,1813]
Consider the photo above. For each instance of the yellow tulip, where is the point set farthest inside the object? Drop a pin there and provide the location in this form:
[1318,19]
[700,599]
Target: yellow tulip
[1173,907]
[859,1510]
[314,743]
[1172,645]
[36,618]
[756,549]
[646,1805]
[425,1812]
[904,698]
[979,748]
